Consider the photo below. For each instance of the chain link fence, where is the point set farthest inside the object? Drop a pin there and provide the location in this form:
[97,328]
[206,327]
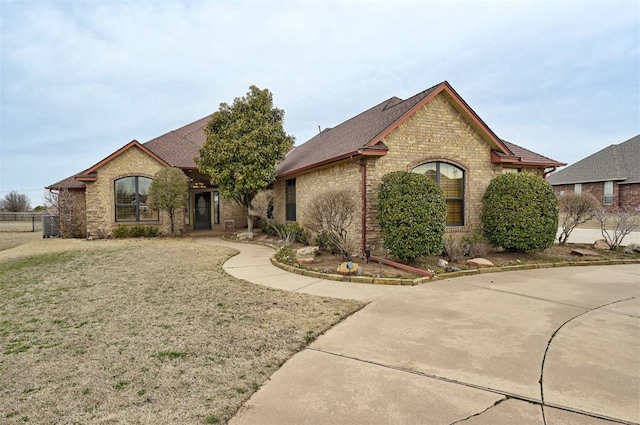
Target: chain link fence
[20,221]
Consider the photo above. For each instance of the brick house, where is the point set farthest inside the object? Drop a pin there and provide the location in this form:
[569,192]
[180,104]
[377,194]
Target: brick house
[434,132]
[114,191]
[611,175]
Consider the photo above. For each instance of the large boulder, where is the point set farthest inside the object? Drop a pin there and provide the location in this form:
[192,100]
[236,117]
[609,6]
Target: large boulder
[600,244]
[307,251]
[479,262]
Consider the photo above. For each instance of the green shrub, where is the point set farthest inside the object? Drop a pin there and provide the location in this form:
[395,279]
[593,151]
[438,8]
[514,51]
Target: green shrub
[412,214]
[520,212]
[121,231]
[124,231]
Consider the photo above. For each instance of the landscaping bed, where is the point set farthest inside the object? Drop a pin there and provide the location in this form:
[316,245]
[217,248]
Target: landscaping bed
[326,264]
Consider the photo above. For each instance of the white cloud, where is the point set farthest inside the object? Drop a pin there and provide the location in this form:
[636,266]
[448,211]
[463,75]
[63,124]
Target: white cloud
[90,76]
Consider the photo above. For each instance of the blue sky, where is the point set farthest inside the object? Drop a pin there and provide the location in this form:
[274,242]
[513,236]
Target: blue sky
[79,79]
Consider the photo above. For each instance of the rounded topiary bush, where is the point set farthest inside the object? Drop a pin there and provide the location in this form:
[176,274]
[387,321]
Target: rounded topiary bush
[412,214]
[520,212]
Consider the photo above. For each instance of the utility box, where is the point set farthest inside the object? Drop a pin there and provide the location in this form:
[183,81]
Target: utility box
[50,226]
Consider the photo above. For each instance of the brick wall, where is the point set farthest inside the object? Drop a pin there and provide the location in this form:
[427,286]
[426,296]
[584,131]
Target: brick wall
[629,195]
[99,195]
[623,195]
[437,132]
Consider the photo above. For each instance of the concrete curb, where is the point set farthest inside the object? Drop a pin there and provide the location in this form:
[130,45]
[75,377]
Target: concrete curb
[419,281]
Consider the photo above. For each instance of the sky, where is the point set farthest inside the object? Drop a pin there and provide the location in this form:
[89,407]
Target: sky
[80,79]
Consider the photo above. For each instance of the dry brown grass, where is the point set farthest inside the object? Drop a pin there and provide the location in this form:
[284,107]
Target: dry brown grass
[141,331]
[12,239]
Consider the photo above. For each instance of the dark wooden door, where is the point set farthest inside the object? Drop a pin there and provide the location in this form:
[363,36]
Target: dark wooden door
[202,211]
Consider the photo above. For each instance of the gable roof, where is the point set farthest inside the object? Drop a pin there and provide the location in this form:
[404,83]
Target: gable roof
[177,148]
[615,162]
[364,134]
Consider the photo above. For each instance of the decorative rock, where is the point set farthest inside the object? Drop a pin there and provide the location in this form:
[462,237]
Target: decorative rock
[632,247]
[451,269]
[600,244]
[344,270]
[442,262]
[307,251]
[305,260]
[245,236]
[584,253]
[479,262]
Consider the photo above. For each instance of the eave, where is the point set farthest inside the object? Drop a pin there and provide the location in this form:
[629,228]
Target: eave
[89,175]
[373,152]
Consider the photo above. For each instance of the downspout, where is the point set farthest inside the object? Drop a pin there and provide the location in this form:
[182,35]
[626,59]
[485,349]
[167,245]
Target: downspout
[544,176]
[363,190]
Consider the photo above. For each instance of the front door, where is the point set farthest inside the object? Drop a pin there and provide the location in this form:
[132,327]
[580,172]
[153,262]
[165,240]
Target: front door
[202,211]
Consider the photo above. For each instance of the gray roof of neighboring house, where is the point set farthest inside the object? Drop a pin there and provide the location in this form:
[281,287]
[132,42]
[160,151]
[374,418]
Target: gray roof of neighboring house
[616,162]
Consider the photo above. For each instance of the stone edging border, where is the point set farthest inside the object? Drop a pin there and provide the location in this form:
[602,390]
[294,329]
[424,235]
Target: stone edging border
[418,281]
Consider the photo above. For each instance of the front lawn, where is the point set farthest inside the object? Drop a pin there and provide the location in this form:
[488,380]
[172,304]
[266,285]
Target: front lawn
[141,331]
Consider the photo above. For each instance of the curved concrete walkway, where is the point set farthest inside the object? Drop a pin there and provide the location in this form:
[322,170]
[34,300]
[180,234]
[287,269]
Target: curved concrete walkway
[253,264]
[540,347]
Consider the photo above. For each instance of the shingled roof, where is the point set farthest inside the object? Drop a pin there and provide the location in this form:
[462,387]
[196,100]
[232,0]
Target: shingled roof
[613,163]
[177,148]
[365,132]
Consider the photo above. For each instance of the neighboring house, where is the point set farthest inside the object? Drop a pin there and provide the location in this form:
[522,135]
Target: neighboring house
[114,191]
[611,175]
[434,132]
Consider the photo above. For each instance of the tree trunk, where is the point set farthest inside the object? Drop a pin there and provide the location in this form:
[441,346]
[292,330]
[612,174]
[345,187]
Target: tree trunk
[171,213]
[250,223]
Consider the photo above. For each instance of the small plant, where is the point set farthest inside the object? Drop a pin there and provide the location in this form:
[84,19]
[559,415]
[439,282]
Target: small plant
[330,214]
[576,208]
[623,221]
[453,247]
[285,254]
[476,246]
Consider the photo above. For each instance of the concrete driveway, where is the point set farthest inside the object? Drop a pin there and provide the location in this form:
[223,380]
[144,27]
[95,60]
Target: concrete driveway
[554,346]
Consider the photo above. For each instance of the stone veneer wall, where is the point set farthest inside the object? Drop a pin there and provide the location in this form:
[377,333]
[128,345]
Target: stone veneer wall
[100,208]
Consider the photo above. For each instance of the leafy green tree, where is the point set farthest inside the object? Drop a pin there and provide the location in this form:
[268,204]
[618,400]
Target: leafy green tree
[245,141]
[520,212]
[168,192]
[412,213]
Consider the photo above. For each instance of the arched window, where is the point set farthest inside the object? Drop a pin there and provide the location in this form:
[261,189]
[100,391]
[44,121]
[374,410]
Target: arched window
[131,199]
[451,180]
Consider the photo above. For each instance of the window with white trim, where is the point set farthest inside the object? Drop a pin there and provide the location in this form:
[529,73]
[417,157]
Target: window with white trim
[577,188]
[607,198]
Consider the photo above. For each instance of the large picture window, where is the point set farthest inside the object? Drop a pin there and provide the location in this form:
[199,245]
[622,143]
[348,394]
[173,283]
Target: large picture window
[131,199]
[451,180]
